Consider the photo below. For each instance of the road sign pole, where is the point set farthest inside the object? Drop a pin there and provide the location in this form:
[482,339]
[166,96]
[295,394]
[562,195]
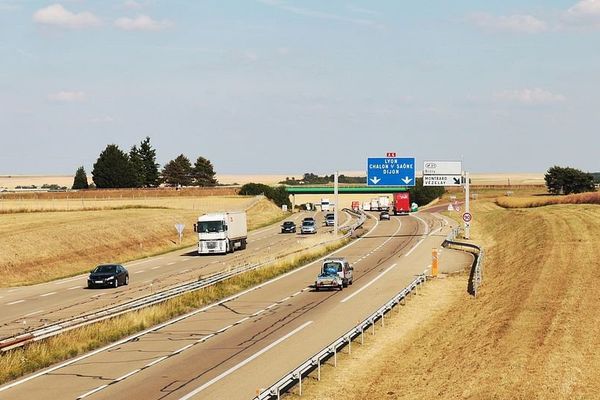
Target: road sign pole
[467,208]
[337,203]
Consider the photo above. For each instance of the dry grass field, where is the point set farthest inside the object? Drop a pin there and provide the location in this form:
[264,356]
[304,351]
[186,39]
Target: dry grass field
[42,246]
[539,201]
[532,332]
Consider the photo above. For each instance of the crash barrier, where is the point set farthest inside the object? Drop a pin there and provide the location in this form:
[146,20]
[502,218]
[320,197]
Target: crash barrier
[314,362]
[476,278]
[146,301]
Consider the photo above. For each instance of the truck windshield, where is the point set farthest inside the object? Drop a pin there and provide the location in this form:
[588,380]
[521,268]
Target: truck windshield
[210,226]
[332,266]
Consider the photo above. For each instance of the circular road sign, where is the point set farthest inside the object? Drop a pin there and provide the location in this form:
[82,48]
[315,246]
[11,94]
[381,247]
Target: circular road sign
[467,217]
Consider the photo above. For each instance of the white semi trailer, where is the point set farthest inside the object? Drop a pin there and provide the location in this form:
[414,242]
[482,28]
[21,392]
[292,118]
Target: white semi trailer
[221,232]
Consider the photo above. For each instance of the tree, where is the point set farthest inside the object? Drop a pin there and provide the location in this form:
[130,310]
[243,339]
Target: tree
[137,166]
[150,167]
[204,173]
[80,180]
[278,195]
[113,169]
[178,172]
[568,180]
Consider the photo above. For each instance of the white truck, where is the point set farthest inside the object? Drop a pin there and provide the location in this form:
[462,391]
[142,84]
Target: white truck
[384,203]
[375,204]
[366,206]
[325,205]
[221,232]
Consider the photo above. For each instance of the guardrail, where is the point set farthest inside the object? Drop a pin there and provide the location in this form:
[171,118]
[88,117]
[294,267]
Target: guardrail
[146,301]
[314,362]
[476,278]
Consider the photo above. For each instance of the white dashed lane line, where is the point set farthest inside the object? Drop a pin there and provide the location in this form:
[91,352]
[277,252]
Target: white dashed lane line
[33,313]
[47,294]
[74,287]
[15,302]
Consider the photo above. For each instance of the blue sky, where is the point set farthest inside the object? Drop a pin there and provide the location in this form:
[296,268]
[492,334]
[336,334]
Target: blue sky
[284,86]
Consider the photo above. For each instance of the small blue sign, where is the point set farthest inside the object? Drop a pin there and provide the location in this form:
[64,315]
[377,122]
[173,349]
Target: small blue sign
[391,171]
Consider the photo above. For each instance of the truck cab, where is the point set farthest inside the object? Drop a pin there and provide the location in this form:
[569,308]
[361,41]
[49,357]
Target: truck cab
[221,232]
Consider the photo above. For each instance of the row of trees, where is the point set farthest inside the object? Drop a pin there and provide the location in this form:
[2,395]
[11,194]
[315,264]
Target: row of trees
[310,178]
[566,180]
[138,169]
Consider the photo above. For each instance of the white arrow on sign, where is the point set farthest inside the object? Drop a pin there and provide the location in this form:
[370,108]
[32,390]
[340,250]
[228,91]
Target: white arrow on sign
[375,180]
[407,180]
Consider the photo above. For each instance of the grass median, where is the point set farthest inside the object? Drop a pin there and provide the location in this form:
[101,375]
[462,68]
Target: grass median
[21,361]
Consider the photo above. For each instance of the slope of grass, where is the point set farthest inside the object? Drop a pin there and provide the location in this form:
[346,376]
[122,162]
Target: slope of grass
[532,332]
[539,201]
[38,247]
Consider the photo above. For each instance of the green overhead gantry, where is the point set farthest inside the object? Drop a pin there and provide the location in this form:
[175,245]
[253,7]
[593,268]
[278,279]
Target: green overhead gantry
[293,190]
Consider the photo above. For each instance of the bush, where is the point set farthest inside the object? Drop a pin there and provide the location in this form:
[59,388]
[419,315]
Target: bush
[277,194]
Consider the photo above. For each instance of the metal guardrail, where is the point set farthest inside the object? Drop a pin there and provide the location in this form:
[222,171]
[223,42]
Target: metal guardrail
[146,301]
[476,278]
[314,362]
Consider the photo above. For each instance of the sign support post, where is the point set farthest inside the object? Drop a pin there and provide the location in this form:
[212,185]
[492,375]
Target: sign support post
[467,208]
[337,203]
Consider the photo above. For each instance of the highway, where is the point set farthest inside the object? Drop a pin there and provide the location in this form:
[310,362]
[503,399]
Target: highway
[28,307]
[228,350]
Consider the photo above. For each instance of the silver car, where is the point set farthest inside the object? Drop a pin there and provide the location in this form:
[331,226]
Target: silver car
[308,227]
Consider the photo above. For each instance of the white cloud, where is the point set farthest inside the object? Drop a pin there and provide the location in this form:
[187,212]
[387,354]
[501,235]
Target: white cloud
[535,96]
[141,23]
[584,13]
[510,23]
[132,5]
[67,97]
[57,15]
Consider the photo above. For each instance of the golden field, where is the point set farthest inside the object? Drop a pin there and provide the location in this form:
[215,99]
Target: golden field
[539,201]
[42,246]
[532,332]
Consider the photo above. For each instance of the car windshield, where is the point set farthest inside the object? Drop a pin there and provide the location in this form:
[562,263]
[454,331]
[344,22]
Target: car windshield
[308,223]
[210,226]
[334,267]
[288,223]
[106,269]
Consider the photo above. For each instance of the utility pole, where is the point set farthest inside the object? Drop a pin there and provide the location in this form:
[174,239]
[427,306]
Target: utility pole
[337,203]
[467,209]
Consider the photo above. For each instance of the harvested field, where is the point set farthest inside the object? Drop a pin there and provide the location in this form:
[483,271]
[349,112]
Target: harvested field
[38,247]
[539,201]
[532,332]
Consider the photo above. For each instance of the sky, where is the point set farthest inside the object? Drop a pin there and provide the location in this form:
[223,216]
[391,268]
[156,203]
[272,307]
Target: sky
[290,86]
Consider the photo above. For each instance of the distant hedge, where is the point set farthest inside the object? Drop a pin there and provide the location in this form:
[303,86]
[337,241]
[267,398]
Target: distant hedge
[425,194]
[277,194]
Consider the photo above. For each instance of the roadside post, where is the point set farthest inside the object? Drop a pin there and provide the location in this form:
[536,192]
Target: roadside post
[337,203]
[179,228]
[434,262]
[467,214]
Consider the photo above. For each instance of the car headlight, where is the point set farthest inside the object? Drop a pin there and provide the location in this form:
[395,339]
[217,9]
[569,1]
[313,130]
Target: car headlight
[110,278]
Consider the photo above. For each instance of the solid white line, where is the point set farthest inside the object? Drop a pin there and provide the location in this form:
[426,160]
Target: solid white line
[436,231]
[271,306]
[33,313]
[224,329]
[74,287]
[424,223]
[91,392]
[15,302]
[258,313]
[68,280]
[246,361]
[368,284]
[127,375]
[156,361]
[414,247]
[47,294]
[205,338]
[184,348]
[241,320]
[286,299]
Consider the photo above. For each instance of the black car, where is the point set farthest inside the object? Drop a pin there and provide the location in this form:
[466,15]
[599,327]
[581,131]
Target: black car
[108,275]
[384,215]
[288,227]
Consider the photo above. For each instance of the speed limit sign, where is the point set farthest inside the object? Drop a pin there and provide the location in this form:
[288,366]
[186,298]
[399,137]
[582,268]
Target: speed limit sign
[467,217]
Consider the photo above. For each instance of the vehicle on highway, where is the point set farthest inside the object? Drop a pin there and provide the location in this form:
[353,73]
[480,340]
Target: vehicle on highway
[308,227]
[336,273]
[325,204]
[288,227]
[384,215]
[221,232]
[108,275]
[308,219]
[401,203]
[329,219]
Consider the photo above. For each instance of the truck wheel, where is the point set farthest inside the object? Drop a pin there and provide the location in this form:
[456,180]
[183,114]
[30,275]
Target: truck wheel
[244,244]
[341,287]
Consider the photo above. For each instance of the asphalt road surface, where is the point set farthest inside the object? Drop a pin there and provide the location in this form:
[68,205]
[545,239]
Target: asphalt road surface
[229,350]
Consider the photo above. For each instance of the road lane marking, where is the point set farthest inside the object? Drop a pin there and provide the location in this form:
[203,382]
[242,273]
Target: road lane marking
[33,313]
[142,262]
[91,392]
[246,361]
[424,223]
[184,348]
[241,320]
[74,287]
[171,263]
[139,272]
[15,302]
[68,280]
[47,294]
[156,267]
[368,284]
[156,361]
[414,247]
[224,329]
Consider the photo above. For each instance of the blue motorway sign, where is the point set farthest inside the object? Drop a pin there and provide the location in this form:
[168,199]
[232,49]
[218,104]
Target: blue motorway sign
[391,171]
